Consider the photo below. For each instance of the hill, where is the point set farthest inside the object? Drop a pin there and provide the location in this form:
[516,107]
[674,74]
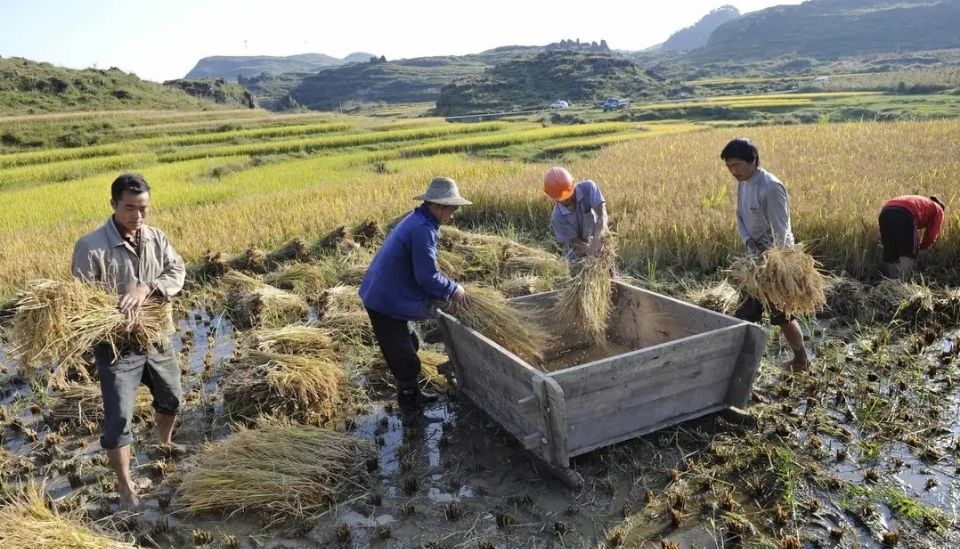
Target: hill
[535,82]
[32,87]
[231,67]
[219,91]
[835,28]
[696,35]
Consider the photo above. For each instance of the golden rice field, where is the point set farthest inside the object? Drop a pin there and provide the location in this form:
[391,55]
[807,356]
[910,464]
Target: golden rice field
[671,198]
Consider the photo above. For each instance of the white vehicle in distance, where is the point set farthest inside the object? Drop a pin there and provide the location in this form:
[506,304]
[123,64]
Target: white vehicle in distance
[559,105]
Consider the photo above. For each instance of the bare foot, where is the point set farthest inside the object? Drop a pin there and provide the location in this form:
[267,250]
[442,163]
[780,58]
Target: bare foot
[796,365]
[128,499]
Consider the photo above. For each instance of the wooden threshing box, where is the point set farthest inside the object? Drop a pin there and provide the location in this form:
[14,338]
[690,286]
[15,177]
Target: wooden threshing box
[682,362]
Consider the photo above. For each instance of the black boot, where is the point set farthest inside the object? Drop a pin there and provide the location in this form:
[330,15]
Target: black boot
[411,399]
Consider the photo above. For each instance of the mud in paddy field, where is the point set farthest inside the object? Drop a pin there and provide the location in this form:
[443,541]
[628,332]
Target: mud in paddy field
[859,451]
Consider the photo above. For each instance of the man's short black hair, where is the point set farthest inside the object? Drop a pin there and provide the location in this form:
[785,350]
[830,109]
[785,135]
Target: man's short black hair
[133,182]
[941,204]
[741,148]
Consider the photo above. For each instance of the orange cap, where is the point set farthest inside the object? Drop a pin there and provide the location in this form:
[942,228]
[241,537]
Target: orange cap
[558,184]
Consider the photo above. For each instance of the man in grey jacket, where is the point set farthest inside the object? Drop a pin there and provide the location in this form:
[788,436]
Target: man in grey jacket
[136,262]
[763,222]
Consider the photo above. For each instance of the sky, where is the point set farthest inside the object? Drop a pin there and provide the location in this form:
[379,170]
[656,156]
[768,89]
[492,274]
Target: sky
[163,40]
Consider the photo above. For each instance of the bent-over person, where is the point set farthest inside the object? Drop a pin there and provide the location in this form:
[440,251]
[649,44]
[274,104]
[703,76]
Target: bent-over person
[901,220]
[136,261]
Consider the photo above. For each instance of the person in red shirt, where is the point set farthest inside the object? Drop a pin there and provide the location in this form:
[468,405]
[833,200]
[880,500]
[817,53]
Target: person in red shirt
[901,219]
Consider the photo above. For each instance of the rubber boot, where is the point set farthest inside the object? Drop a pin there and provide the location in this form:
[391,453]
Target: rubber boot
[411,399]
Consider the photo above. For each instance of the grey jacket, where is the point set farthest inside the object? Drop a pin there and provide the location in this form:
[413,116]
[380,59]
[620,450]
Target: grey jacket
[763,213]
[105,258]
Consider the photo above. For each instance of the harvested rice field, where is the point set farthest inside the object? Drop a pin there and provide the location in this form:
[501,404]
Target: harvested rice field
[290,432]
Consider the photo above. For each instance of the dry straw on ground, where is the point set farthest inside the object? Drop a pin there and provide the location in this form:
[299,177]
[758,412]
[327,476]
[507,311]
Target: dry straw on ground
[279,469]
[296,339]
[29,520]
[788,279]
[585,301]
[429,361]
[303,387]
[82,404]
[304,279]
[60,321]
[513,327]
[253,303]
[898,299]
[341,312]
[720,297]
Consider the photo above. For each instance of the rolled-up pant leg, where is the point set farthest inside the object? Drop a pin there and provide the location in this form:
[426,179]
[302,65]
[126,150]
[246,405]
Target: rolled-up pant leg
[399,344]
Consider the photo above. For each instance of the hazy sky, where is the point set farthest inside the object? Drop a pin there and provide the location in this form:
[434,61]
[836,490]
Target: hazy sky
[163,40]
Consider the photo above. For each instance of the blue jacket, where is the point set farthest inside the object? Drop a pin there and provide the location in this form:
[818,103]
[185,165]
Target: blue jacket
[403,278]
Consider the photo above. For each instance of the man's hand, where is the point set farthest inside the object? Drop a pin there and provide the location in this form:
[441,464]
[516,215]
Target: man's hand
[595,246]
[132,300]
[459,296]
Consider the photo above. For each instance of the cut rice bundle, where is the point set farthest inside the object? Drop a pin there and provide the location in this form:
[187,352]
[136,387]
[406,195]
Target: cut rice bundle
[278,469]
[294,249]
[788,279]
[341,311]
[847,299]
[30,520]
[293,340]
[305,388]
[368,233]
[253,260]
[60,321]
[429,362]
[304,279]
[337,240]
[524,285]
[524,260]
[722,298]
[212,265]
[586,300]
[83,404]
[252,303]
[511,326]
[898,299]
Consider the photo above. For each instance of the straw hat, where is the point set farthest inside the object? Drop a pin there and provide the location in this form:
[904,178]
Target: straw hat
[443,191]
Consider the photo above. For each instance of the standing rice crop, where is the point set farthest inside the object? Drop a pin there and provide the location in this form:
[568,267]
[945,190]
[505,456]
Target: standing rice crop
[788,279]
[586,300]
[29,520]
[62,320]
[513,327]
[303,387]
[279,469]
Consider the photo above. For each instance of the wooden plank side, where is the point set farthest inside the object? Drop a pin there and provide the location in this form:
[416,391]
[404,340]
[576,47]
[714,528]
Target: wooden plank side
[646,429]
[503,360]
[747,366]
[553,409]
[622,369]
[646,418]
[643,318]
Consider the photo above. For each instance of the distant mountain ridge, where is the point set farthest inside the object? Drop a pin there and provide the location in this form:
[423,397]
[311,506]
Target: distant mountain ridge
[231,67]
[834,28]
[696,35]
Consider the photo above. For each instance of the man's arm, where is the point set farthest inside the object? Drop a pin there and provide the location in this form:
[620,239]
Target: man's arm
[932,230]
[778,213]
[423,243]
[82,265]
[174,272]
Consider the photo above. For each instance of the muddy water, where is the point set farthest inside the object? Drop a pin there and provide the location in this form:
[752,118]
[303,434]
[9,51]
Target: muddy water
[452,478]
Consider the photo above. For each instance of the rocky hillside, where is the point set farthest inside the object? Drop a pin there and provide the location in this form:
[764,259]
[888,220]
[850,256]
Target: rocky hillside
[232,67]
[696,35]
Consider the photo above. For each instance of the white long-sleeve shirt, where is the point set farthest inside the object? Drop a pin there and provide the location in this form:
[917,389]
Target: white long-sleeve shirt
[763,212]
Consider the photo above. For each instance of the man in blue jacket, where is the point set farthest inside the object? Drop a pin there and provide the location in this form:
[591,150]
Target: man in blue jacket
[403,283]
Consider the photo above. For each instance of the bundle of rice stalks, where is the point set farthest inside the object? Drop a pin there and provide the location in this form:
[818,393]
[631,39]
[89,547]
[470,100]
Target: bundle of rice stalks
[451,265]
[306,388]
[722,297]
[352,266]
[253,260]
[847,299]
[278,469]
[947,303]
[62,320]
[479,256]
[524,285]
[295,249]
[337,240]
[524,260]
[30,520]
[82,404]
[252,303]
[514,328]
[788,279]
[429,361]
[341,312]
[898,299]
[212,265]
[291,340]
[587,298]
[304,279]
[368,233]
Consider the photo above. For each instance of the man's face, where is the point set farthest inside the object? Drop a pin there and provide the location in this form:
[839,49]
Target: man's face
[741,169]
[131,210]
[446,214]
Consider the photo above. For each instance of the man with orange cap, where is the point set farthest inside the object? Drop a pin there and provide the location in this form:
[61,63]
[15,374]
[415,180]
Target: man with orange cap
[579,218]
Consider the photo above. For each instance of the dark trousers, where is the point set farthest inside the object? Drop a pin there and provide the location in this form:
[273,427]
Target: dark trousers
[751,310]
[399,345]
[119,378]
[898,233]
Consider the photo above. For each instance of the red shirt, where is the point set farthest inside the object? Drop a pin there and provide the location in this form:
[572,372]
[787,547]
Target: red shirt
[927,214]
